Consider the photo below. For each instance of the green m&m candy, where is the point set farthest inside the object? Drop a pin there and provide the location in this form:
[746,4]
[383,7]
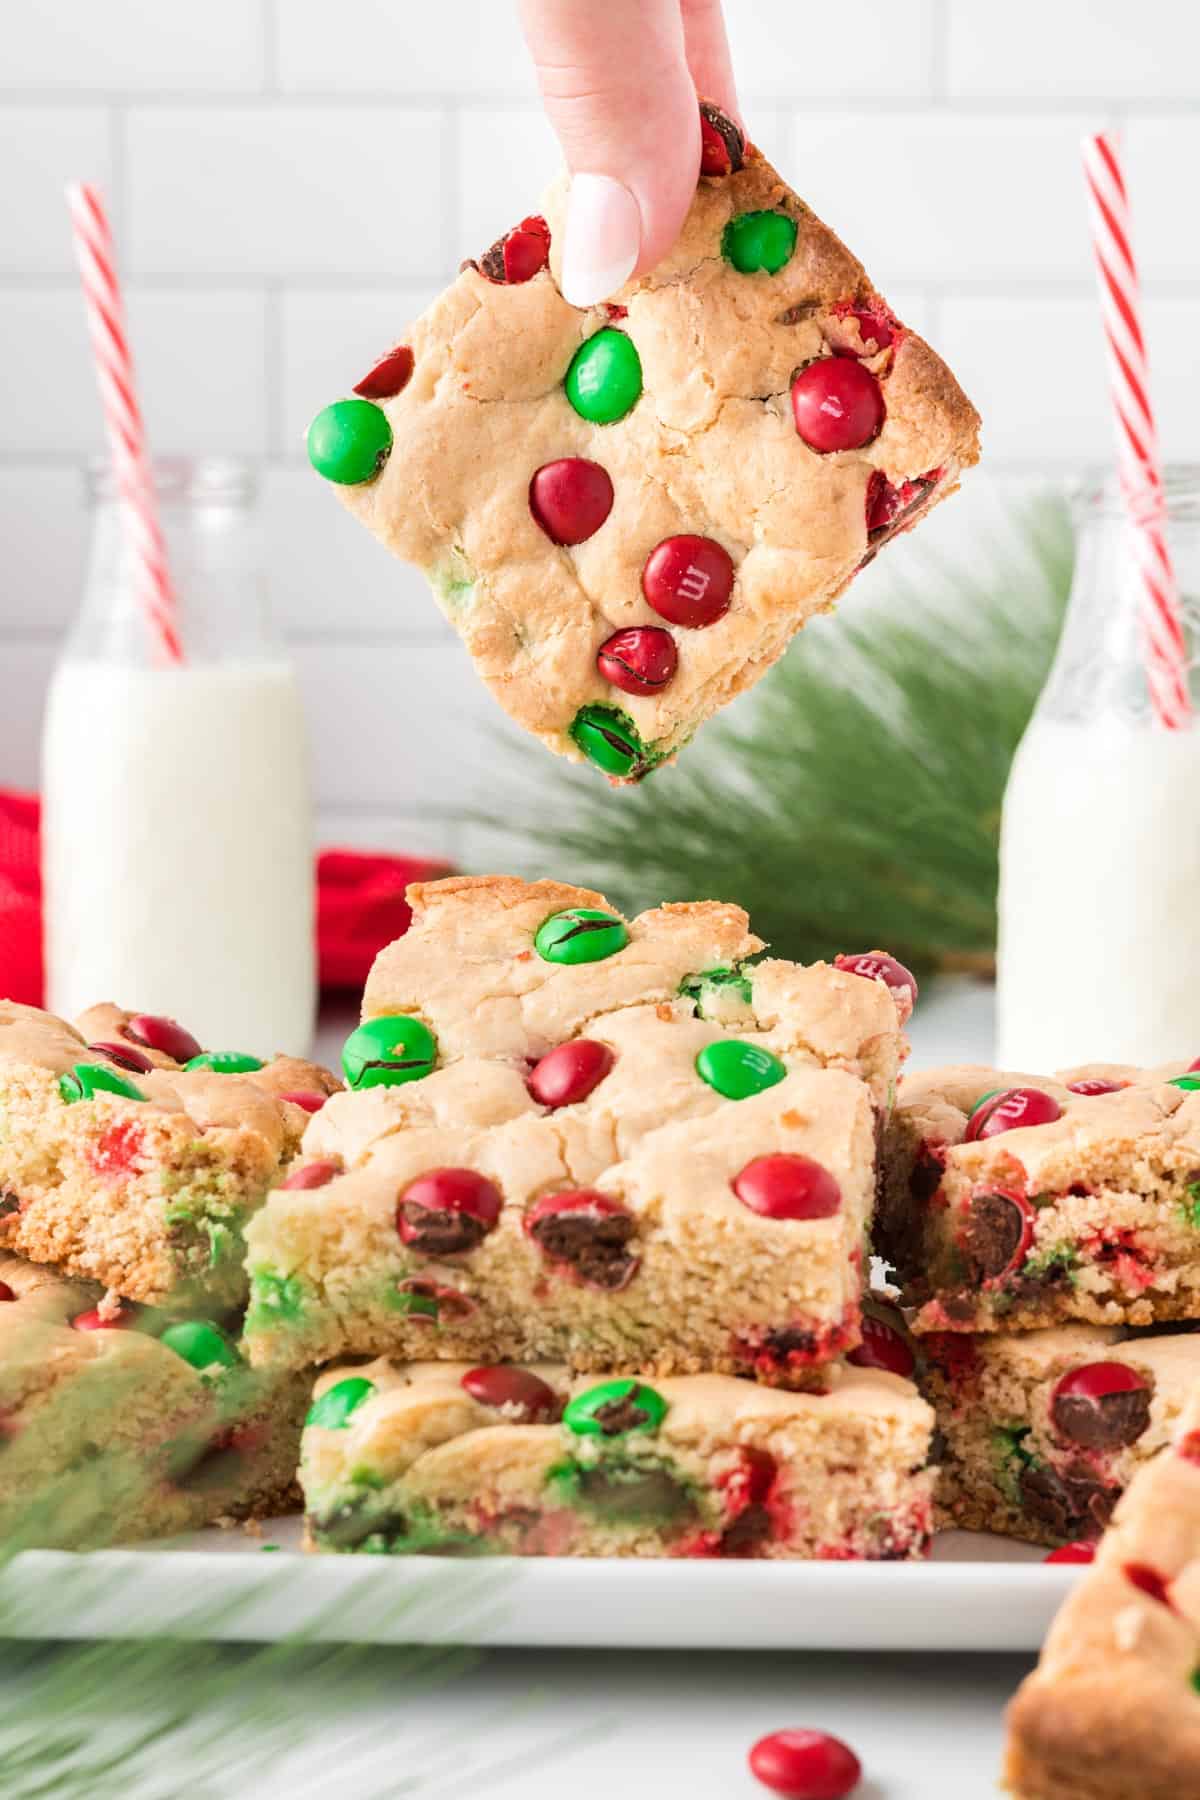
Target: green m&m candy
[717,992]
[86,1080]
[758,240]
[579,935]
[349,442]
[389,1051]
[333,1409]
[225,1062]
[614,1408]
[604,380]
[1189,1083]
[201,1343]
[737,1069]
[607,738]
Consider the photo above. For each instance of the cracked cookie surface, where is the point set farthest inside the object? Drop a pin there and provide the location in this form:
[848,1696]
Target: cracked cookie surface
[569,1135]
[628,511]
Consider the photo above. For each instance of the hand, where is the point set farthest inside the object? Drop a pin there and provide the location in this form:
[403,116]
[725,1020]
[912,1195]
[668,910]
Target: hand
[620,80]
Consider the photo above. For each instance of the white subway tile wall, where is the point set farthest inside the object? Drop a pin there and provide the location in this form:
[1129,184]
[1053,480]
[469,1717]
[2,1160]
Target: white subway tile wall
[291,183]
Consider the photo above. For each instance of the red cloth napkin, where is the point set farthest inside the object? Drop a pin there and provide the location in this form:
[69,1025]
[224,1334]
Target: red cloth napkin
[360,905]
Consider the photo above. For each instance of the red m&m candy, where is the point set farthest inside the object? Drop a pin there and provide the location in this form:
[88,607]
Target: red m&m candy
[1095,1085]
[124,1057]
[806,1765]
[6,1293]
[312,1175]
[95,1320]
[164,1035]
[876,965]
[522,1395]
[1082,1552]
[447,1211]
[390,376]
[837,404]
[882,1347]
[569,1073]
[307,1099]
[520,254]
[688,580]
[640,660]
[1012,1109]
[788,1187]
[570,499]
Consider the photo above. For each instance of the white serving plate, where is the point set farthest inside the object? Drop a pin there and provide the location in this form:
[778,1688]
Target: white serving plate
[975,1593]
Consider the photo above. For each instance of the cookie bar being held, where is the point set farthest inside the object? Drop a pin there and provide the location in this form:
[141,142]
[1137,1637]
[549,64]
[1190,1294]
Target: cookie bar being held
[1015,1201]
[627,512]
[1112,1711]
[530,1461]
[1044,1430]
[120,1423]
[728,1238]
[134,1158]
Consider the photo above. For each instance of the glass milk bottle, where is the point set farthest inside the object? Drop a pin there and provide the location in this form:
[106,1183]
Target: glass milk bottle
[177,836]
[1099,952]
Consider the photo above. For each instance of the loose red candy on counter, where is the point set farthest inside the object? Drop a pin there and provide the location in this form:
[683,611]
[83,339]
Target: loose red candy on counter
[390,376]
[639,660]
[309,1100]
[783,1186]
[164,1035]
[882,1347]
[446,1211]
[837,404]
[688,580]
[1012,1109]
[312,1175]
[806,1765]
[1082,1552]
[125,1058]
[570,499]
[500,1385]
[876,965]
[520,254]
[1096,1086]
[569,1072]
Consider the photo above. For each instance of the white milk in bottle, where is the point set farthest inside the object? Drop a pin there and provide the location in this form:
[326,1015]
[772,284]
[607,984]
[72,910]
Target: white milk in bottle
[177,839]
[1099,950]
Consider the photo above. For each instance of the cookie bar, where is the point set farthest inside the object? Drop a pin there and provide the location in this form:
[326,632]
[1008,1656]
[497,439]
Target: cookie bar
[493,967]
[119,1423]
[728,1237]
[531,1461]
[1042,1431]
[1112,1711]
[627,511]
[130,1157]
[1014,1201]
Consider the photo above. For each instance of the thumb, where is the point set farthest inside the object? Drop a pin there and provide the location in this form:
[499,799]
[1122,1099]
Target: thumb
[614,77]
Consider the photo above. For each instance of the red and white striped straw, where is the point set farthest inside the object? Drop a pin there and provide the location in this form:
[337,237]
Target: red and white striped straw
[1139,461]
[123,415]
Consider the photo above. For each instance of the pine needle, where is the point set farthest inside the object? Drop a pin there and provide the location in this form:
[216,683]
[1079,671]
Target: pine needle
[856,803]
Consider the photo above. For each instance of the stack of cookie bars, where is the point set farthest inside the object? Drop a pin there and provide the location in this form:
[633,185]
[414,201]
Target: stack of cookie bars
[130,1161]
[580,1251]
[1045,1234]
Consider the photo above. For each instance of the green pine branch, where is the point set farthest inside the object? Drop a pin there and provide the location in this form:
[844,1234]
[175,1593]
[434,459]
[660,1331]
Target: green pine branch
[855,802]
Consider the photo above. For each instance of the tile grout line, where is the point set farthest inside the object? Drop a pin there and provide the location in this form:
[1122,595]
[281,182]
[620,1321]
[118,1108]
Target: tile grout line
[939,52]
[269,27]
[1003,105]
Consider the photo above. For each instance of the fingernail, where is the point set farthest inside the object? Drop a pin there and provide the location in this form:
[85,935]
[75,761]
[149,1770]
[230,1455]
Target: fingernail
[602,239]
